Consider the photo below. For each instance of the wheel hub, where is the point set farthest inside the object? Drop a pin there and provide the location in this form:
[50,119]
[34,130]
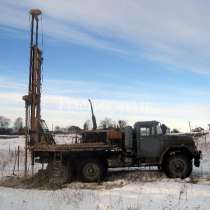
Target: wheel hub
[91,170]
[178,166]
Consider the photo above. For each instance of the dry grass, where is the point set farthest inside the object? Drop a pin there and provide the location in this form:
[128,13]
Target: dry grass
[39,181]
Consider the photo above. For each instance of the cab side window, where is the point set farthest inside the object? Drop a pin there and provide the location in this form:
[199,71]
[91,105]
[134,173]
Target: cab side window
[145,131]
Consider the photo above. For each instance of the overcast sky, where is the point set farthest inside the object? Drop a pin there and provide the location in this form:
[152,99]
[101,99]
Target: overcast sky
[137,60]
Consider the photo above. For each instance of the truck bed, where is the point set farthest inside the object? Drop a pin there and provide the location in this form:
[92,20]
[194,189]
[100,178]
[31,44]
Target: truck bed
[74,147]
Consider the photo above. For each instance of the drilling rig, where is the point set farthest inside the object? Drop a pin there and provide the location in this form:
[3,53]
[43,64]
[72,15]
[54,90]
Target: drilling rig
[40,142]
[98,150]
[36,129]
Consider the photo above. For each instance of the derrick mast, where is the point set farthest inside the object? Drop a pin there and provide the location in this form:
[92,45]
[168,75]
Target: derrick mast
[36,129]
[33,99]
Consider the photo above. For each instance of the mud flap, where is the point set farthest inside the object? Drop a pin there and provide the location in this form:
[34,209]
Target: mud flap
[197,159]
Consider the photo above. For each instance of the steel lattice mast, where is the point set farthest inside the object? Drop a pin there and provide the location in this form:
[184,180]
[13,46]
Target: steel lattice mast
[33,99]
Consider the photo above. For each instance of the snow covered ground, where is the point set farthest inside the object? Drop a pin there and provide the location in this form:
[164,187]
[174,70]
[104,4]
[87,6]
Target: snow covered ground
[163,194]
[121,192]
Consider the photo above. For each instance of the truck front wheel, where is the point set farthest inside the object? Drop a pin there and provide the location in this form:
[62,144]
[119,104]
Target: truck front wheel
[177,166]
[92,170]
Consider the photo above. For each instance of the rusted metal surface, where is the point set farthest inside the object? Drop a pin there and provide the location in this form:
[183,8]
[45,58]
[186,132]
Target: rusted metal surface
[34,124]
[114,135]
[33,98]
[36,95]
[35,12]
[103,136]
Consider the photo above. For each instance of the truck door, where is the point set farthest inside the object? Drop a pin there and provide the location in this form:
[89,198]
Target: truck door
[149,144]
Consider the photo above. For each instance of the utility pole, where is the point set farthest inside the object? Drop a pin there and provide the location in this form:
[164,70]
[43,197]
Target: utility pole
[190,126]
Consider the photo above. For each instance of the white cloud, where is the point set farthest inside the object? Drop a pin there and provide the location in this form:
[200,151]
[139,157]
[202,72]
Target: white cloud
[171,32]
[11,84]
[66,110]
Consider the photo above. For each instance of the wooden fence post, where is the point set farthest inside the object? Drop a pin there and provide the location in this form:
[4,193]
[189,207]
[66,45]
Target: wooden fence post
[18,157]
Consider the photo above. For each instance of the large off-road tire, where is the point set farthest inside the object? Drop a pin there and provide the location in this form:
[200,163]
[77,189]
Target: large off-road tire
[177,166]
[92,170]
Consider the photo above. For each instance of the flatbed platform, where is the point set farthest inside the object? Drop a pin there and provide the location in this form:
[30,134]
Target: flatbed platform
[74,147]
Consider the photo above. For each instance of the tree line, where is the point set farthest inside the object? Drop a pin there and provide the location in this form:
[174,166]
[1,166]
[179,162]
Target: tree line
[106,123]
[6,126]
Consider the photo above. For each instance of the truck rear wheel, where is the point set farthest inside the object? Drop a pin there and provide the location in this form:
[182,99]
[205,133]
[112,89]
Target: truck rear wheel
[92,170]
[177,166]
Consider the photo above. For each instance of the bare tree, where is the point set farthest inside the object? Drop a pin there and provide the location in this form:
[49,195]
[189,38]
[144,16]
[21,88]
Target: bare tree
[18,124]
[175,131]
[58,129]
[4,122]
[122,124]
[74,129]
[86,125]
[107,123]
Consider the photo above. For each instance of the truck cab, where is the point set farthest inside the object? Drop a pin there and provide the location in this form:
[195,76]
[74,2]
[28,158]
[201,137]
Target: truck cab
[151,143]
[148,136]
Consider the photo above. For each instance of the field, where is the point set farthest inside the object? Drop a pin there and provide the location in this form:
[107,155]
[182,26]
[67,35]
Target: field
[130,189]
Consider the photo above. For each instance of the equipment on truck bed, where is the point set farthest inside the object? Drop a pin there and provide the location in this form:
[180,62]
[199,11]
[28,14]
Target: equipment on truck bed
[93,116]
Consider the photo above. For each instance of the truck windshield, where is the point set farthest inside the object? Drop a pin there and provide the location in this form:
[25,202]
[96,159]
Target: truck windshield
[159,130]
